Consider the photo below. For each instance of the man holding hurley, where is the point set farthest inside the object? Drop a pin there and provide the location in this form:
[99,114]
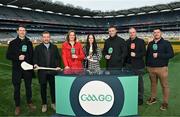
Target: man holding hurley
[19,50]
[47,55]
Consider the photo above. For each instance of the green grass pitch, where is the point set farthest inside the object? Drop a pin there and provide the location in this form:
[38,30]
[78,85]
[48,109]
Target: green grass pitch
[7,102]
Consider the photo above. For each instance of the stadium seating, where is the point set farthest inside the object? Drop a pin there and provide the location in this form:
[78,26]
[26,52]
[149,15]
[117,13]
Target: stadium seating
[36,22]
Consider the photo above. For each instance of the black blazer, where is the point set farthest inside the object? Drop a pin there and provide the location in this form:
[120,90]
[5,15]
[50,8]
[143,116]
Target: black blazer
[13,53]
[136,62]
[165,52]
[40,58]
[119,52]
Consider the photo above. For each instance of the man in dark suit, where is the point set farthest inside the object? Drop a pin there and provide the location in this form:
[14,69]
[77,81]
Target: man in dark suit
[135,60]
[21,49]
[115,50]
[47,55]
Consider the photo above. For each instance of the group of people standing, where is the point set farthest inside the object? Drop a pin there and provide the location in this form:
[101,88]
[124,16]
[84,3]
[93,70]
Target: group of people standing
[117,52]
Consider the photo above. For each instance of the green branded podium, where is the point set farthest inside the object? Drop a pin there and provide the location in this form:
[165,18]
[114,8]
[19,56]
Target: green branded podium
[105,94]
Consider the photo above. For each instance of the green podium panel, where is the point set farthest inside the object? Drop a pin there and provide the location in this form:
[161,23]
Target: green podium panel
[96,95]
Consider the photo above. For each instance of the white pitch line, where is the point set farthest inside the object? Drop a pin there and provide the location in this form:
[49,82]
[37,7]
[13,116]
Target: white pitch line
[5,64]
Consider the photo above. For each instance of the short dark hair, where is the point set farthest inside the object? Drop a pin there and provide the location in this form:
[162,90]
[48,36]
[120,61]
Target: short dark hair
[21,25]
[45,32]
[157,28]
[112,26]
[70,31]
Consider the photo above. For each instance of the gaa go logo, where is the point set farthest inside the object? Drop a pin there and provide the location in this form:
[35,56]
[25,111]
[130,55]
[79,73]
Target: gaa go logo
[93,97]
[96,97]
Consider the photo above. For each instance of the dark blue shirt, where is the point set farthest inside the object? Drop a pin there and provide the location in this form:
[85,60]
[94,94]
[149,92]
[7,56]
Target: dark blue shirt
[164,50]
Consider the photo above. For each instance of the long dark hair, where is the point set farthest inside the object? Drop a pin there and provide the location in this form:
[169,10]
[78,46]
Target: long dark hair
[67,37]
[94,45]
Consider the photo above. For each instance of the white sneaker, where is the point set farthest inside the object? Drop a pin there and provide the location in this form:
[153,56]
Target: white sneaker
[44,108]
[53,106]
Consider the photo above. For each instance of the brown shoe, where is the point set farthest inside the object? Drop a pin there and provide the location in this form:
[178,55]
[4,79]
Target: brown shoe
[32,108]
[17,111]
[164,106]
[151,101]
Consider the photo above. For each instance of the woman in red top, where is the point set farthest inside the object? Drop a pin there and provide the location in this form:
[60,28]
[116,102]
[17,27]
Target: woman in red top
[72,52]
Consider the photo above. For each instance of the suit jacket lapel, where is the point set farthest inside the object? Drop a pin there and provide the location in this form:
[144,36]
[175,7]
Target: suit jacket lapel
[43,51]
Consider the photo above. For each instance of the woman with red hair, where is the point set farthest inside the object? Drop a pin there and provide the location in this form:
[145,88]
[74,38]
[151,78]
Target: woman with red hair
[72,52]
